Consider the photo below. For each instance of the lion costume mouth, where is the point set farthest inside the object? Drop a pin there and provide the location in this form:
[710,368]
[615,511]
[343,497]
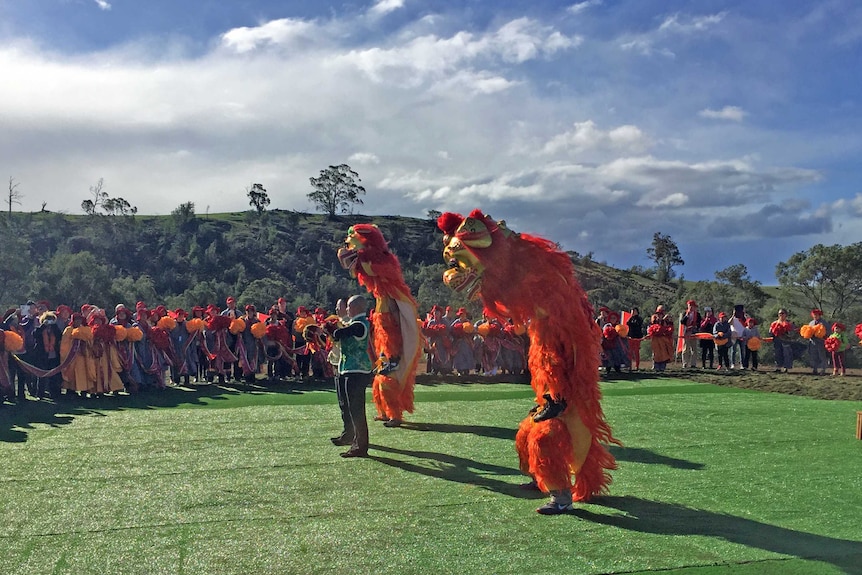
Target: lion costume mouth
[348,257]
[462,279]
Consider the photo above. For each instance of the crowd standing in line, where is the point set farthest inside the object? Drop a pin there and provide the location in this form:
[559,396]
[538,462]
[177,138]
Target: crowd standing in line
[61,352]
[460,346]
[87,353]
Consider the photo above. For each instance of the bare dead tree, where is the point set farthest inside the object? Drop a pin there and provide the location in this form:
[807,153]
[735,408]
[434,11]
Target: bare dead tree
[15,194]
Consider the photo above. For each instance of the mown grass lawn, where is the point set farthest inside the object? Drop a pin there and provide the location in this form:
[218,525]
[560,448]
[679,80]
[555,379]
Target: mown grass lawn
[711,481]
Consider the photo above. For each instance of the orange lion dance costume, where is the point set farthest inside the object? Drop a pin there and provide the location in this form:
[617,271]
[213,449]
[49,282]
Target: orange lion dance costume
[528,279]
[395,326]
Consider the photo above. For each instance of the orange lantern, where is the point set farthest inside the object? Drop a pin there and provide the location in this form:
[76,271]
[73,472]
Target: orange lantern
[622,329]
[258,330]
[753,343]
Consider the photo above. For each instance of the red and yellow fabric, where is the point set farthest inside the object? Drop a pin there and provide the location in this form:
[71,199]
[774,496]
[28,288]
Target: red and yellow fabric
[528,279]
[395,331]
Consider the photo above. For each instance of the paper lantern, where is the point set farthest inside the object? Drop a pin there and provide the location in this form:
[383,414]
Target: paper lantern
[237,326]
[258,330]
[13,342]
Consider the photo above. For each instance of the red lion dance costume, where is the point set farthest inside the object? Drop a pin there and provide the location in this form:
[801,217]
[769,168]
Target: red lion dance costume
[395,325]
[527,279]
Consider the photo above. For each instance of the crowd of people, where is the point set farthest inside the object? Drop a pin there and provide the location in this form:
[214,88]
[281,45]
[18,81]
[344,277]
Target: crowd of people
[719,341]
[455,344]
[56,352]
[89,352]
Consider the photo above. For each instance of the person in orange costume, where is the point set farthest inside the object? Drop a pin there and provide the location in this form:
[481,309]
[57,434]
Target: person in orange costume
[560,443]
[395,326]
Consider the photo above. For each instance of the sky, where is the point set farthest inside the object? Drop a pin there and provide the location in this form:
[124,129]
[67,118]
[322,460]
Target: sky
[732,126]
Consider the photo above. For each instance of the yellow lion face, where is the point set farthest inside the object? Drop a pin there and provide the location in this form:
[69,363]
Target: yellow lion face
[465,270]
[349,253]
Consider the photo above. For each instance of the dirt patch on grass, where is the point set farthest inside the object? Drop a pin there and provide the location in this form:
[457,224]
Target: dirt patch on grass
[799,381]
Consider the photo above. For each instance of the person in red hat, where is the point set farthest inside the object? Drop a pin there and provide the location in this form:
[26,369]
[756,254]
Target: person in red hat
[489,330]
[721,334]
[303,360]
[816,347]
[838,344]
[437,331]
[186,347]
[104,354]
[46,354]
[660,332]
[690,320]
[750,344]
[232,312]
[782,330]
[248,347]
[75,338]
[64,316]
[463,360]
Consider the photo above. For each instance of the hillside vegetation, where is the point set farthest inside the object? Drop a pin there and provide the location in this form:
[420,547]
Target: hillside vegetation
[185,259]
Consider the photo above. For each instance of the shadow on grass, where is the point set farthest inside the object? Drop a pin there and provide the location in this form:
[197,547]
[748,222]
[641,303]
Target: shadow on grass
[631,454]
[639,455]
[647,516]
[458,469]
[17,419]
[480,430]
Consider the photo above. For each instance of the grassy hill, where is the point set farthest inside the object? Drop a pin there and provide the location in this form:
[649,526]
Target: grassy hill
[186,259]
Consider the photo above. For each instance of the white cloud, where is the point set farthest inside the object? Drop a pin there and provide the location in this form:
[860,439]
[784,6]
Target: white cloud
[677,25]
[581,6]
[103,4]
[363,158]
[690,25]
[434,115]
[385,7]
[282,32]
[419,59]
[732,113]
[585,136]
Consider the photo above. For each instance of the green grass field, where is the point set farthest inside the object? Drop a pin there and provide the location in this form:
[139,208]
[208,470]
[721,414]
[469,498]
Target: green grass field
[711,481]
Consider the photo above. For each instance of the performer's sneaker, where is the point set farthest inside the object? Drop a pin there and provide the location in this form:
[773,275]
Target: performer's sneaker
[392,423]
[551,409]
[388,367]
[551,508]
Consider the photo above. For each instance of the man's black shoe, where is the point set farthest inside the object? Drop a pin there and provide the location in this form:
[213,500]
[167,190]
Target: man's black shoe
[552,408]
[354,453]
[340,440]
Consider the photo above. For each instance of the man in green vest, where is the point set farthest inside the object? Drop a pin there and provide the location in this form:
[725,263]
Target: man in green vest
[354,376]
